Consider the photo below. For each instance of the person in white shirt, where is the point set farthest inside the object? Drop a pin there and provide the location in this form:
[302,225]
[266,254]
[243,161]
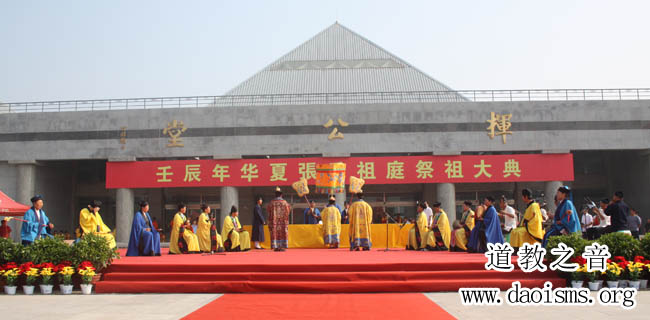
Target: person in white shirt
[509,217]
[429,213]
[601,220]
[586,221]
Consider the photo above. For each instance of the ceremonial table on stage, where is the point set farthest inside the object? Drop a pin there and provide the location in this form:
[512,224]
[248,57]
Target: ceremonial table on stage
[310,236]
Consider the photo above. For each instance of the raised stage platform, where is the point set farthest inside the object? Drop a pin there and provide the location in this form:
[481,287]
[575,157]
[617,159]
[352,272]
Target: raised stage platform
[310,271]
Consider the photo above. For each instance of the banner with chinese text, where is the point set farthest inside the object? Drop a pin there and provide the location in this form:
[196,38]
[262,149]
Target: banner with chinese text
[375,170]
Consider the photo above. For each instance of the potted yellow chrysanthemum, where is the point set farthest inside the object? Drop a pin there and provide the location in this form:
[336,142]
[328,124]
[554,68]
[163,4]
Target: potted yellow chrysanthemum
[47,273]
[66,280]
[31,275]
[87,274]
[634,272]
[11,279]
[612,274]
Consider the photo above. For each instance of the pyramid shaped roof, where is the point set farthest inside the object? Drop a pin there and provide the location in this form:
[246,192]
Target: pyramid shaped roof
[340,61]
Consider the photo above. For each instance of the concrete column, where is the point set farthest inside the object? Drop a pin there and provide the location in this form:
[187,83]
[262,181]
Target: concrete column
[229,198]
[519,202]
[25,190]
[124,211]
[25,182]
[340,199]
[447,196]
[550,189]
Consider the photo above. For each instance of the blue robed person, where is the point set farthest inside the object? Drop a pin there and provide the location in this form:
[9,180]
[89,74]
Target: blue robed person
[565,220]
[144,239]
[36,222]
[312,214]
[487,229]
[258,223]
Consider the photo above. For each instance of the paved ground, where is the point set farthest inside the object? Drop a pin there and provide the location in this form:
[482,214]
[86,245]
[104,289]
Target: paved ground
[175,306]
[102,306]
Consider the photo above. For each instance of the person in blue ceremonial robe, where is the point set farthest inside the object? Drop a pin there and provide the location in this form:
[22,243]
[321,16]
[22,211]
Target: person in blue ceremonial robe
[312,214]
[144,239]
[36,223]
[487,228]
[565,220]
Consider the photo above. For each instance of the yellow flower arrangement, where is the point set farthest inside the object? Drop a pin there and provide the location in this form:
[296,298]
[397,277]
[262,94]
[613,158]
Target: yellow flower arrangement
[66,275]
[30,276]
[11,276]
[87,274]
[46,276]
[634,270]
[613,271]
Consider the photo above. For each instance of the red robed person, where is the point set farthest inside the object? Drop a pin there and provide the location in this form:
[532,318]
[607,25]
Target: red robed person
[278,222]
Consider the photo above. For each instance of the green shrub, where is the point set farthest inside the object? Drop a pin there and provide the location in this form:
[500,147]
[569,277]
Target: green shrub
[645,246]
[52,250]
[9,251]
[621,244]
[573,240]
[96,249]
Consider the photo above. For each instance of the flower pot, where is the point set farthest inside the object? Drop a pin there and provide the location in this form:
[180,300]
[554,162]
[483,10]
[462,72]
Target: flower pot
[10,289]
[66,289]
[86,288]
[46,288]
[28,289]
[612,284]
[576,284]
[622,283]
[644,284]
[594,286]
[634,284]
[600,284]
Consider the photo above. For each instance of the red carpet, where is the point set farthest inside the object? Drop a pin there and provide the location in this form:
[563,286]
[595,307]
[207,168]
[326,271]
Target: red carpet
[310,271]
[321,306]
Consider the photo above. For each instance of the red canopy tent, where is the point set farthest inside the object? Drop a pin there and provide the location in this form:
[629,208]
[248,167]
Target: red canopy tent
[11,208]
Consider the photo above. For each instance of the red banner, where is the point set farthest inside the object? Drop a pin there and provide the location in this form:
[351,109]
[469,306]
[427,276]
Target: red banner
[374,170]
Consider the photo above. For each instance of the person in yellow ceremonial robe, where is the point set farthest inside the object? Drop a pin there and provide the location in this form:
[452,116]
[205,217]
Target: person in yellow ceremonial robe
[418,234]
[440,235]
[91,221]
[460,236]
[209,239]
[360,221]
[188,242]
[237,239]
[331,217]
[531,230]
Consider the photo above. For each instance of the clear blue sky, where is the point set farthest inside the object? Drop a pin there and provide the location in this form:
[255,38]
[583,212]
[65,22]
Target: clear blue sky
[58,50]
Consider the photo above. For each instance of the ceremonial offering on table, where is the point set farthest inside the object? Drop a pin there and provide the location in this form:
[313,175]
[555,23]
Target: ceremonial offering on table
[356,184]
[301,187]
[330,178]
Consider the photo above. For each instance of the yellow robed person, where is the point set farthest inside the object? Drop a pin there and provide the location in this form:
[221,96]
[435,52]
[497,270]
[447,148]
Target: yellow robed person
[204,232]
[418,234]
[440,235]
[331,217]
[360,221]
[179,223]
[531,230]
[91,221]
[237,239]
[460,237]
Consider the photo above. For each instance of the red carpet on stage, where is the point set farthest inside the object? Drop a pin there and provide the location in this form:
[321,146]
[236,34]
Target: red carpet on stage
[310,271]
[321,306]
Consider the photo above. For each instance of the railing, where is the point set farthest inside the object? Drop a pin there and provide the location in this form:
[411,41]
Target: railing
[329,98]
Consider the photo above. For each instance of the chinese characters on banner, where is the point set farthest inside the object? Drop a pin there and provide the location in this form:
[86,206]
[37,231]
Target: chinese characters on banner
[374,170]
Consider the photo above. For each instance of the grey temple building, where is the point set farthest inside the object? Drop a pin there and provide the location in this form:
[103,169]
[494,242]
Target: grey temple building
[60,149]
